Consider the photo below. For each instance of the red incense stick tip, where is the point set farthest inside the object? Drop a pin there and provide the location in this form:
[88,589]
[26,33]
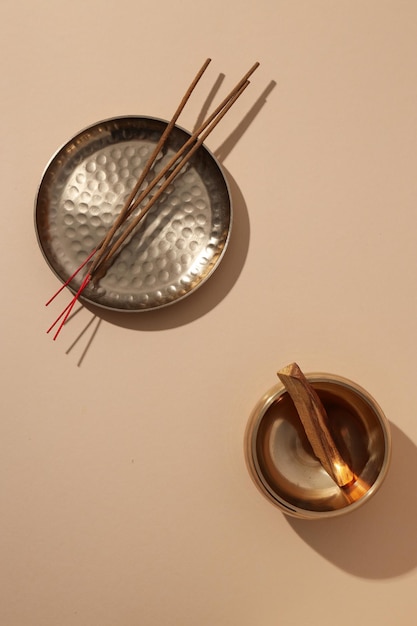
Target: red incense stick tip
[67,282]
[66,312]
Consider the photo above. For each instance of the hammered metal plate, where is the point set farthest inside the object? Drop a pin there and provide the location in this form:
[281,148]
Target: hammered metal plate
[180,241]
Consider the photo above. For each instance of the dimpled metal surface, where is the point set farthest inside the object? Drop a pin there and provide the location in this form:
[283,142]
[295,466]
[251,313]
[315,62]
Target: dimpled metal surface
[177,245]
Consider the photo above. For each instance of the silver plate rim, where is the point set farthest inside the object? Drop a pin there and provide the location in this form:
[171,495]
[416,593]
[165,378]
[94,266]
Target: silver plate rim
[115,119]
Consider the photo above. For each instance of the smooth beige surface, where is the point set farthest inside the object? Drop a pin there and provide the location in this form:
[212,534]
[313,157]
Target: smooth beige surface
[125,499]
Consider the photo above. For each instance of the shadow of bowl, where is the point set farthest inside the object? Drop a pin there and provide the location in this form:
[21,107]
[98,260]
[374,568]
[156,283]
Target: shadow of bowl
[378,540]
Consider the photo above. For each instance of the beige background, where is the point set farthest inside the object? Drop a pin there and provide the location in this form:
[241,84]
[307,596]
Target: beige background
[125,498]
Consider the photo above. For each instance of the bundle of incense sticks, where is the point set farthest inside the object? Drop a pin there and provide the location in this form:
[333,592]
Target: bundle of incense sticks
[100,259]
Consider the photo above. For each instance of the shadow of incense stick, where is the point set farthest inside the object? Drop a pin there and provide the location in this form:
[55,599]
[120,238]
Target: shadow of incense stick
[82,333]
[228,144]
[74,313]
[208,101]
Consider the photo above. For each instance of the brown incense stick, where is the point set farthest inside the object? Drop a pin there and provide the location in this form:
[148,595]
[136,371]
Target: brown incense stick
[207,126]
[127,206]
[315,422]
[104,253]
[134,223]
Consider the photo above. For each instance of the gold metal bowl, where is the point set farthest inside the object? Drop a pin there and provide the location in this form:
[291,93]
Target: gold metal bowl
[283,466]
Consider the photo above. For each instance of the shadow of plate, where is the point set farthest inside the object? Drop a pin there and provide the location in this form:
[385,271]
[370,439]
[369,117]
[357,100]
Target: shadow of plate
[378,540]
[209,294]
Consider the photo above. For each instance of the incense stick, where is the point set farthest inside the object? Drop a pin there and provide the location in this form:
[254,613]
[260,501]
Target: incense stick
[134,223]
[67,282]
[67,311]
[217,114]
[126,209]
[114,239]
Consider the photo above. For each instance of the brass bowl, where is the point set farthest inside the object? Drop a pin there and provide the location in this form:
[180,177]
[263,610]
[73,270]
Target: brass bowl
[283,466]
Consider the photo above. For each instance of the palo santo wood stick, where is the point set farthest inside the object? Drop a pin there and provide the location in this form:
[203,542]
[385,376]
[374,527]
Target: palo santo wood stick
[315,422]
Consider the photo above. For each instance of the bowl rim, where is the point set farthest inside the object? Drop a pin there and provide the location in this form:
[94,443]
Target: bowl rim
[259,411]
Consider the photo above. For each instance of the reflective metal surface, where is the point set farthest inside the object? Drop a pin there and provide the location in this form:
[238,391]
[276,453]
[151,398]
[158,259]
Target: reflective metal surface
[176,247]
[281,461]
